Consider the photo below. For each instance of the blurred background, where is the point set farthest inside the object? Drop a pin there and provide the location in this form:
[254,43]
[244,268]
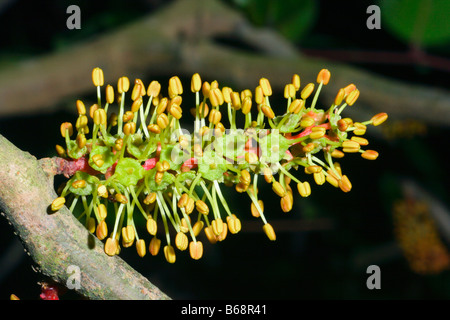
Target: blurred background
[396,215]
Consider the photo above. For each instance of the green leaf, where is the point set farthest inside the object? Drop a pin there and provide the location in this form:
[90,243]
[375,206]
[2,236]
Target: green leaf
[420,22]
[91,182]
[273,147]
[74,152]
[174,155]
[129,171]
[108,158]
[211,166]
[165,182]
[139,149]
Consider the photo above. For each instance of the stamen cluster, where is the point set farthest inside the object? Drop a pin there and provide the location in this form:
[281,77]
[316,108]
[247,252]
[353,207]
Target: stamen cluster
[142,162]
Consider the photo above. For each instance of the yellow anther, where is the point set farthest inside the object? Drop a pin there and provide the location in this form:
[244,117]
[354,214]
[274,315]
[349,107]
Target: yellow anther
[81,122]
[369,155]
[137,90]
[100,117]
[155,245]
[323,76]
[102,212]
[121,198]
[217,226]
[158,177]
[154,88]
[344,184]
[203,110]
[251,157]
[152,226]
[109,94]
[246,105]
[97,77]
[190,206]
[154,128]
[342,125]
[66,127]
[175,111]
[278,189]
[304,189]
[222,236]
[226,93]
[268,112]
[319,178]
[81,140]
[136,105]
[349,88]
[98,160]
[202,207]
[91,225]
[196,83]
[162,120]
[123,85]
[266,88]
[129,128]
[111,246]
[206,88]
[339,97]
[350,146]
[235,100]
[181,241]
[141,248]
[169,253]
[79,184]
[175,85]
[270,233]
[197,228]
[296,106]
[118,144]
[128,234]
[317,132]
[196,249]
[331,179]
[307,121]
[337,153]
[307,90]
[360,129]
[296,81]
[313,169]
[267,175]
[60,151]
[287,202]
[13,297]
[215,116]
[182,202]
[92,110]
[102,230]
[81,108]
[289,91]
[259,95]
[216,97]
[379,118]
[58,203]
[245,177]
[210,235]
[362,141]
[162,105]
[352,97]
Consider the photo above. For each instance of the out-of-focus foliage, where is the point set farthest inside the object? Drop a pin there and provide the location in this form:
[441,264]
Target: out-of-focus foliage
[423,23]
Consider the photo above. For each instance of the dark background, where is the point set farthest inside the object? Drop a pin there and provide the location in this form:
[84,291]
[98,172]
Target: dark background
[350,231]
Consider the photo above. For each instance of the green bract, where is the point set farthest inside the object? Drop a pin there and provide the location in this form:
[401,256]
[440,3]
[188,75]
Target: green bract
[91,182]
[129,171]
[273,147]
[107,156]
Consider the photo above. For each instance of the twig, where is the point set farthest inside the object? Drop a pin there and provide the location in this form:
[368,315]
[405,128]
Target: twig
[56,241]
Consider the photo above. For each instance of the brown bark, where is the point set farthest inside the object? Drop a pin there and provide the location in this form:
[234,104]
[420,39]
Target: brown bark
[56,241]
